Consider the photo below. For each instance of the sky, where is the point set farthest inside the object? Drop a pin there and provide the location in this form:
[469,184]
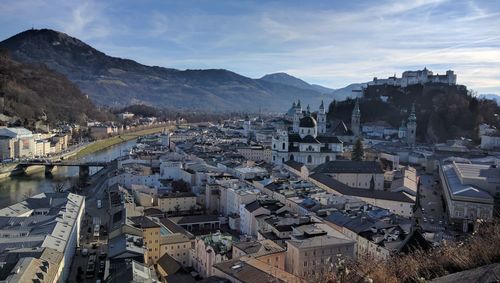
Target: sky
[332,43]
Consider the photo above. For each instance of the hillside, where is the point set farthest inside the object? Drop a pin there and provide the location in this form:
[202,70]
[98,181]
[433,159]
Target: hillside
[29,91]
[120,82]
[443,111]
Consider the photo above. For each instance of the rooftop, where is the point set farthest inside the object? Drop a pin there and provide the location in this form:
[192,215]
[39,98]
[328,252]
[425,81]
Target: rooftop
[457,190]
[344,189]
[349,166]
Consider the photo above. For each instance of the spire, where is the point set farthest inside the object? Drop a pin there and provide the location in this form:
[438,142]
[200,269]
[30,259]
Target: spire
[322,106]
[298,103]
[293,105]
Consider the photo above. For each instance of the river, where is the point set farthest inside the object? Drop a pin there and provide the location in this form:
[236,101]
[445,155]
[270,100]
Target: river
[17,188]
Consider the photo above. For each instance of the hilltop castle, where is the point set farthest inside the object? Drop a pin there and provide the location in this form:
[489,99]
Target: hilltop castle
[417,77]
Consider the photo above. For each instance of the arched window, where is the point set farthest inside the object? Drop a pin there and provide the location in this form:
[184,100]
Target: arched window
[309,159]
[283,146]
[274,146]
[310,148]
[292,157]
[327,158]
[283,160]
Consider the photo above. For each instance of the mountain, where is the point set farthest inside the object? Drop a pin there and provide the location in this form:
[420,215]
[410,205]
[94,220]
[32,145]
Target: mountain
[286,79]
[350,91]
[120,82]
[33,92]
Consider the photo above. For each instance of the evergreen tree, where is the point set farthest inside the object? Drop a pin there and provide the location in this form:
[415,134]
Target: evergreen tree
[358,152]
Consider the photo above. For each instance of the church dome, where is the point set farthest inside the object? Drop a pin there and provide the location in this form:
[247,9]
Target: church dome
[307,122]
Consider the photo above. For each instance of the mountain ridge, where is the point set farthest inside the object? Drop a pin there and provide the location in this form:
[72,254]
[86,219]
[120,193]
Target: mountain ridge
[114,81]
[287,79]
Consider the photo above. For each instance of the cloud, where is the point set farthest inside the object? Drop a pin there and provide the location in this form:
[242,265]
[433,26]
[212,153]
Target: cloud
[328,42]
[87,21]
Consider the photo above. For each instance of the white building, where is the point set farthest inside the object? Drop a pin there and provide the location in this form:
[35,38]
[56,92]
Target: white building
[466,189]
[16,143]
[417,77]
[490,140]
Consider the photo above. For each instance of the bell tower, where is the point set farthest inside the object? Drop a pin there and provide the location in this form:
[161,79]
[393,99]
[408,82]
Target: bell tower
[356,119]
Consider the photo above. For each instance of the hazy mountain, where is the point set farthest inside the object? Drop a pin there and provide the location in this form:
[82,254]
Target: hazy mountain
[495,97]
[286,79]
[30,92]
[120,82]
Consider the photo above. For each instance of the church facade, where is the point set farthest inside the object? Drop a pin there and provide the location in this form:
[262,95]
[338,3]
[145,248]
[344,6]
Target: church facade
[308,141]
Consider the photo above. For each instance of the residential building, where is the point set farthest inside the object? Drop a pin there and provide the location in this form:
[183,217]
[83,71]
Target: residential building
[316,254]
[209,250]
[48,224]
[16,143]
[177,202]
[265,250]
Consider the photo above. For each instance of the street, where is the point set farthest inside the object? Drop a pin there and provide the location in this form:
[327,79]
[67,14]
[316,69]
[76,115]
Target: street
[94,216]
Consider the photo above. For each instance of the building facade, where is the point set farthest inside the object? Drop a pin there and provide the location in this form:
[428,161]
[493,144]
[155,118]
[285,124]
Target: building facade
[308,142]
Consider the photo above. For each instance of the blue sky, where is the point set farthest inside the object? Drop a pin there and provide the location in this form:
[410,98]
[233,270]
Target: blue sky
[333,43]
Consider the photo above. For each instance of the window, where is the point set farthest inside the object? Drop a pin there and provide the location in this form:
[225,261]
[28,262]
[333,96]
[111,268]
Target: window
[309,159]
[327,158]
[283,146]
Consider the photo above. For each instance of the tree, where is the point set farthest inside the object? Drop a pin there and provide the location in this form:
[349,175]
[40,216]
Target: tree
[358,153]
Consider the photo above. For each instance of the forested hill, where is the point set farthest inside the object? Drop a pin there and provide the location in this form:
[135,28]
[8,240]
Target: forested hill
[31,90]
[443,111]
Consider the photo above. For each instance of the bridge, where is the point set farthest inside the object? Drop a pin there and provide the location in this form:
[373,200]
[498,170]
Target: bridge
[50,164]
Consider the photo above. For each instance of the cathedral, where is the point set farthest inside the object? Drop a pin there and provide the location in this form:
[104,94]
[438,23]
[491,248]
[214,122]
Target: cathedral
[308,141]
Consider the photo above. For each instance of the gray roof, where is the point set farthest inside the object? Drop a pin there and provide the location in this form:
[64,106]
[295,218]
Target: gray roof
[245,272]
[366,193]
[349,166]
[458,190]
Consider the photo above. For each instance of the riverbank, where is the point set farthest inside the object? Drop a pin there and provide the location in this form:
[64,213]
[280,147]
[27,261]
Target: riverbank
[105,143]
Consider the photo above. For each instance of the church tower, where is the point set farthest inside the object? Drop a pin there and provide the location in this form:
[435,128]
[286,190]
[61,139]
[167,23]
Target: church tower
[356,119]
[322,119]
[411,127]
[297,116]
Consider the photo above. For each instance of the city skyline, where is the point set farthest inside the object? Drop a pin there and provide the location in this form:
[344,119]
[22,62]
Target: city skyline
[332,44]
